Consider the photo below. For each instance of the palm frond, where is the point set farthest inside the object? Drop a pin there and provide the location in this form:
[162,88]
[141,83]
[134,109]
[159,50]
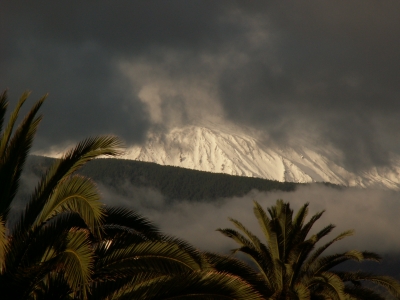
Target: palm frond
[301,292]
[331,285]
[296,259]
[361,293]
[284,223]
[321,249]
[270,234]
[126,220]
[231,265]
[254,239]
[14,151]
[307,227]
[327,262]
[237,237]
[33,254]
[262,259]
[53,286]
[5,137]
[323,232]
[62,169]
[271,272]
[74,194]
[77,261]
[112,288]
[3,108]
[389,283]
[372,256]
[3,243]
[164,257]
[302,249]
[195,285]
[298,220]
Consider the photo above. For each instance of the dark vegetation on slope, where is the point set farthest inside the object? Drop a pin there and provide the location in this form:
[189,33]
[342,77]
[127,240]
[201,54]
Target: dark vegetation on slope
[173,182]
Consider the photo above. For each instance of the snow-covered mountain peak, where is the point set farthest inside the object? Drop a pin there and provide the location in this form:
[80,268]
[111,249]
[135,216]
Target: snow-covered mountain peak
[236,151]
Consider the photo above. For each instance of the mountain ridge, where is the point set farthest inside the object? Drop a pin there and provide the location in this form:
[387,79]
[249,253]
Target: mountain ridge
[239,152]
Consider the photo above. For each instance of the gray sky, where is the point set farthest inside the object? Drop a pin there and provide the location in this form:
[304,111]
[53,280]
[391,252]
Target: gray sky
[301,71]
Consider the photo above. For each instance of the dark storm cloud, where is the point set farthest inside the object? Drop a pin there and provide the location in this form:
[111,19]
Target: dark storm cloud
[70,51]
[326,70]
[336,72]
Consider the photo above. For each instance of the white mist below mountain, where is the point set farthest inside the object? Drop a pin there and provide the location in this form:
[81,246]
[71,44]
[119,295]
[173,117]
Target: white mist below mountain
[234,152]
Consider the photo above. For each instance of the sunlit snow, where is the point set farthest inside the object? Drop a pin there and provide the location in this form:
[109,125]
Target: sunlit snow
[228,150]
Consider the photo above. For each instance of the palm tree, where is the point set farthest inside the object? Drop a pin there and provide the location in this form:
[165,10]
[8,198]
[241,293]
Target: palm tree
[291,267]
[67,245]
[52,234]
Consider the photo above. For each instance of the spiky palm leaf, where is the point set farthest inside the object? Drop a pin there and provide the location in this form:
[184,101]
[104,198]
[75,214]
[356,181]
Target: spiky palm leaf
[136,248]
[63,168]
[194,285]
[361,293]
[139,256]
[14,150]
[119,220]
[3,243]
[389,283]
[235,267]
[52,287]
[75,194]
[3,108]
[77,261]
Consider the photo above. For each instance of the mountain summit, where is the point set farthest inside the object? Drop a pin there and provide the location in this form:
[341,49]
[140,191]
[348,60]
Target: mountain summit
[234,152]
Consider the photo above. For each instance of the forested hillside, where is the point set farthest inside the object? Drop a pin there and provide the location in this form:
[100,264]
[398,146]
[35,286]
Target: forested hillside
[173,182]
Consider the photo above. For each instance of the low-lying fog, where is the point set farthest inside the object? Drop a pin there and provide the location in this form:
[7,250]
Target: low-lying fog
[373,214]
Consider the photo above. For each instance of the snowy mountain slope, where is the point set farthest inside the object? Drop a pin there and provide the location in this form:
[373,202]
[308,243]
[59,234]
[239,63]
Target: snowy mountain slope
[228,150]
